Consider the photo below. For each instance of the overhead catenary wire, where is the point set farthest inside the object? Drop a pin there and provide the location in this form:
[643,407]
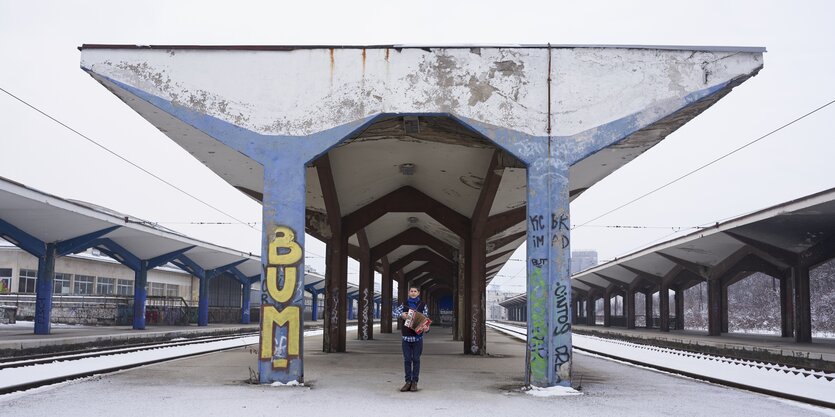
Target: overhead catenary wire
[706,165]
[135,165]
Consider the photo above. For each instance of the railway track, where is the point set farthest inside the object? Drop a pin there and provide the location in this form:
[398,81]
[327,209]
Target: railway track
[804,385]
[24,373]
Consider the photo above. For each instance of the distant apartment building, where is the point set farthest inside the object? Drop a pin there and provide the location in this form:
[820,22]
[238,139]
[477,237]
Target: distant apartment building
[582,260]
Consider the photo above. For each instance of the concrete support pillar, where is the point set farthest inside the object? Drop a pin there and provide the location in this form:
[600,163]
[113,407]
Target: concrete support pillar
[140,295]
[402,293]
[723,305]
[629,305]
[246,303]
[591,311]
[664,303]
[476,303]
[314,306]
[714,307]
[648,310]
[44,289]
[802,303]
[460,296]
[336,284]
[202,302]
[385,300]
[351,309]
[786,307]
[548,267]
[679,301]
[607,309]
[365,302]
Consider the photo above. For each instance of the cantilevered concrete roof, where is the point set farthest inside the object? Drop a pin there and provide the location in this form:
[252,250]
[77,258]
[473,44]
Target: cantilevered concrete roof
[417,97]
[53,219]
[790,228]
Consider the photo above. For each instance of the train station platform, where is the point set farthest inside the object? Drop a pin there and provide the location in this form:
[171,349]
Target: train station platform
[18,339]
[819,355]
[365,381]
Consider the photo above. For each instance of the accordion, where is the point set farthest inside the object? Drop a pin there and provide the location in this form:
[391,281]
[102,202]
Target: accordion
[417,321]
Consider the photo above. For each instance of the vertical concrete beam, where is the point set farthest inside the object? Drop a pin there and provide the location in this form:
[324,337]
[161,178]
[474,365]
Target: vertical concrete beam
[246,302]
[548,265]
[314,305]
[476,342]
[679,300]
[365,302]
[44,288]
[202,301]
[664,301]
[802,303]
[460,296]
[786,306]
[714,307]
[385,299]
[336,263]
[629,301]
[723,306]
[402,292]
[607,308]
[140,295]
[648,310]
[591,310]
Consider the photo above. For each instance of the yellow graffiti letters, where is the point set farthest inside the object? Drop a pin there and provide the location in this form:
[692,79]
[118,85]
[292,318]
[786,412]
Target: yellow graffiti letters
[283,249]
[271,318]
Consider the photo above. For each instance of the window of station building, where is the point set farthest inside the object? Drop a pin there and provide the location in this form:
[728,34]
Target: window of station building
[172,290]
[124,287]
[84,284]
[105,286]
[62,283]
[27,281]
[5,280]
[157,289]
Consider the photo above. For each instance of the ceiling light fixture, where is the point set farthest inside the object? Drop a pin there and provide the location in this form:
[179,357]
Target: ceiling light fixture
[407,169]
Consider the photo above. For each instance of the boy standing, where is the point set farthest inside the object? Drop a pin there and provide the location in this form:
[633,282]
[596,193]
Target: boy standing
[412,342]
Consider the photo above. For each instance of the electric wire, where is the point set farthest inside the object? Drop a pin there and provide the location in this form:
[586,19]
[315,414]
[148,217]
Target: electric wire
[706,165]
[135,165]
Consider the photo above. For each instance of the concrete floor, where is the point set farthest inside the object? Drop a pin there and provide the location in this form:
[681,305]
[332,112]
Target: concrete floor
[365,381]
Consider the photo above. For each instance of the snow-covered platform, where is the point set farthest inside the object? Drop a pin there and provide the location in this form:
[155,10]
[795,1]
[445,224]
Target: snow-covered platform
[821,348]
[20,337]
[366,379]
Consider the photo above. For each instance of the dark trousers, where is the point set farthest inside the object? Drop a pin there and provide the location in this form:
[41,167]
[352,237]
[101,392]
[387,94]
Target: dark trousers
[411,359]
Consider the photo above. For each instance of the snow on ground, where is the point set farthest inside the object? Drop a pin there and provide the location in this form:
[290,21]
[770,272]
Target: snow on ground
[12,377]
[777,379]
[556,391]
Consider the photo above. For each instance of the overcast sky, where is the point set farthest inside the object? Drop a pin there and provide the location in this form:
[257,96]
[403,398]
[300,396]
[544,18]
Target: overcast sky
[40,64]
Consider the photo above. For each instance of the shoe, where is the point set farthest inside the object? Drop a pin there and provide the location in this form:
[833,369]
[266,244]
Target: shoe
[413,387]
[406,387]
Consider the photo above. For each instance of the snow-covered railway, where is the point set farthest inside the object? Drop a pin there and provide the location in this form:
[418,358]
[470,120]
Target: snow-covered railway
[806,385]
[22,374]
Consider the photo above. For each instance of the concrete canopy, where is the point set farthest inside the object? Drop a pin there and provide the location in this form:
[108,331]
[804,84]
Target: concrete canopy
[342,84]
[53,219]
[488,141]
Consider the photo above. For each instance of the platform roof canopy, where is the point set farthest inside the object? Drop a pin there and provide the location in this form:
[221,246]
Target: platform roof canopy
[415,146]
[770,241]
[51,219]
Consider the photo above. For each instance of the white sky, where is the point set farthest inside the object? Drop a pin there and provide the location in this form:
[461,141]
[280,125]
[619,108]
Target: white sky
[40,63]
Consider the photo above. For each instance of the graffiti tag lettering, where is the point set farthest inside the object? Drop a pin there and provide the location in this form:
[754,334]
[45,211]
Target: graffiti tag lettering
[281,282]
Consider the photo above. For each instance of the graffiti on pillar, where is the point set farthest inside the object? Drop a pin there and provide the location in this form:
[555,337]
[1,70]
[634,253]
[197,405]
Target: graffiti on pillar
[280,327]
[539,328]
[561,310]
[562,356]
[560,230]
[364,313]
[538,228]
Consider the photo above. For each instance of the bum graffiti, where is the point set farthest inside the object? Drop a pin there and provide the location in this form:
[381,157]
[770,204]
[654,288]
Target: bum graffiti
[281,281]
